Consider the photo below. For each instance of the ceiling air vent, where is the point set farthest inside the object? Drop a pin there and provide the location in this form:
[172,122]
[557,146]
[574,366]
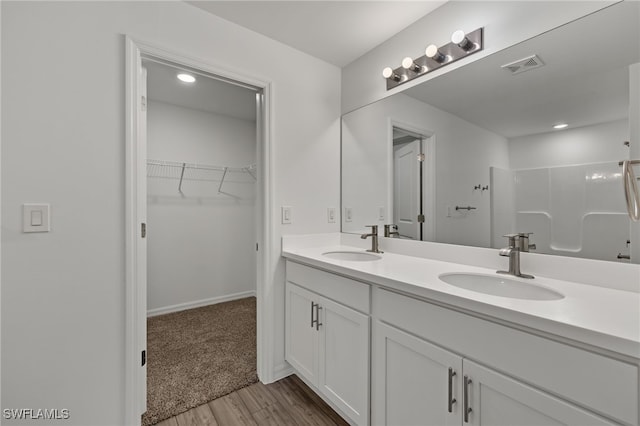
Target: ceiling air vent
[524,64]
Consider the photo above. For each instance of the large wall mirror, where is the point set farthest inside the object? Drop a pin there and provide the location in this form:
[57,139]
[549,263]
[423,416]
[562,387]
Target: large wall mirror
[471,155]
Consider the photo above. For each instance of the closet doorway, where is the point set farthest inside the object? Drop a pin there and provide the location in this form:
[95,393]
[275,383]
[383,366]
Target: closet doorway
[197,234]
[201,235]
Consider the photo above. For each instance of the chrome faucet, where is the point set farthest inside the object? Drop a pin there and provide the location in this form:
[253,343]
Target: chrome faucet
[374,238]
[516,244]
[388,230]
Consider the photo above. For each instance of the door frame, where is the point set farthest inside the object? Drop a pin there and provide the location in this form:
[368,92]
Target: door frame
[428,176]
[135,171]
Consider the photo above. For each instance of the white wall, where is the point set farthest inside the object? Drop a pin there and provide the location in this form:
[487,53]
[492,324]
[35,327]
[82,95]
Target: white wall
[366,161]
[200,244]
[63,132]
[505,24]
[589,144]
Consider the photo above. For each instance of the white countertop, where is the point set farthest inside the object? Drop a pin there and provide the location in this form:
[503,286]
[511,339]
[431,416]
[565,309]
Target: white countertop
[603,317]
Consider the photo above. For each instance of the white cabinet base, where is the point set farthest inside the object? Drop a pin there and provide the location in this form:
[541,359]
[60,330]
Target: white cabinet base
[327,343]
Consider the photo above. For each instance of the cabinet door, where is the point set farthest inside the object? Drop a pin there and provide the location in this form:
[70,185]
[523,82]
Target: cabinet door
[344,359]
[411,381]
[301,337]
[497,400]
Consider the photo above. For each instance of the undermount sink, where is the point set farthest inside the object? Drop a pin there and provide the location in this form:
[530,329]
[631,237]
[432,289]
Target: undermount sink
[496,285]
[355,256]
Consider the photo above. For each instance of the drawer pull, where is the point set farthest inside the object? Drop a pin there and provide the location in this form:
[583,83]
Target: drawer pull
[318,323]
[451,400]
[313,321]
[467,409]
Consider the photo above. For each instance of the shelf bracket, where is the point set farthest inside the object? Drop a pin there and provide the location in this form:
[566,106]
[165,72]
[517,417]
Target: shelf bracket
[181,176]
[248,170]
[222,180]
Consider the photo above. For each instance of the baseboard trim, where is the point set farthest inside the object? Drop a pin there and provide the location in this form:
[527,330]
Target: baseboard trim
[280,372]
[199,303]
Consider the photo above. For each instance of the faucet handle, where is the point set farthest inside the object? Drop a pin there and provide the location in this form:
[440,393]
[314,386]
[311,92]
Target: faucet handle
[388,229]
[524,241]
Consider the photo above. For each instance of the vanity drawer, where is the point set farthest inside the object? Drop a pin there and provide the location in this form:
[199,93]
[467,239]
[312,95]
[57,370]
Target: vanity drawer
[597,382]
[342,290]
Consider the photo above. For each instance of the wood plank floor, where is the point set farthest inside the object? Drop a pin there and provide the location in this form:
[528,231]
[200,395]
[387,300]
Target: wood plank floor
[286,402]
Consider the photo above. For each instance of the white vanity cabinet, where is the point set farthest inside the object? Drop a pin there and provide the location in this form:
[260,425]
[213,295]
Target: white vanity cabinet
[327,342]
[503,376]
[418,383]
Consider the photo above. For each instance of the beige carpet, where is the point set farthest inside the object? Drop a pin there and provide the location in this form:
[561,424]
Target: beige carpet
[198,355]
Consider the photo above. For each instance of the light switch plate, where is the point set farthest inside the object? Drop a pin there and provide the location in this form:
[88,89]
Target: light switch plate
[331,215]
[36,218]
[348,214]
[286,215]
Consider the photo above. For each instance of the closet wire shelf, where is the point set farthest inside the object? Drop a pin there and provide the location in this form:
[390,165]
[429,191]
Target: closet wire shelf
[195,172]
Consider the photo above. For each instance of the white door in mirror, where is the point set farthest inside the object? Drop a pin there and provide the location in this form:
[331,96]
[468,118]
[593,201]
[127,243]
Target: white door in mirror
[36,218]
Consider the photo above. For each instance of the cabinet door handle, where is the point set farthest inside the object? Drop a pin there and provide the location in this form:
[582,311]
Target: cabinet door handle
[318,323]
[313,321]
[467,408]
[451,400]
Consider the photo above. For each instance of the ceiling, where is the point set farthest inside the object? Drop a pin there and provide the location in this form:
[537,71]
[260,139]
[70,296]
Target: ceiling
[584,80]
[206,94]
[337,32]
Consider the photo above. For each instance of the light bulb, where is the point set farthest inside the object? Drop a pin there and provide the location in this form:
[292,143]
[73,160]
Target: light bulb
[457,37]
[409,64]
[391,74]
[560,126]
[460,38]
[432,52]
[186,78]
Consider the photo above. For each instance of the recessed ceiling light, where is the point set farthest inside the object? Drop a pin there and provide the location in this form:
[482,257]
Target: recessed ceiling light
[560,126]
[187,78]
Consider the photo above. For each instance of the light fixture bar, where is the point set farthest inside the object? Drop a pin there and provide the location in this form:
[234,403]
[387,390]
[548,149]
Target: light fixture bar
[461,46]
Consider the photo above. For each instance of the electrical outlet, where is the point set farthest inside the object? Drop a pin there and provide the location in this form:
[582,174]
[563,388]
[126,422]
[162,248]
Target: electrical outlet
[381,213]
[331,215]
[348,214]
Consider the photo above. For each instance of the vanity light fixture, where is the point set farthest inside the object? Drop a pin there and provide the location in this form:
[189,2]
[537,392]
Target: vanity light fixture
[560,126]
[390,74]
[409,64]
[434,53]
[186,78]
[462,44]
